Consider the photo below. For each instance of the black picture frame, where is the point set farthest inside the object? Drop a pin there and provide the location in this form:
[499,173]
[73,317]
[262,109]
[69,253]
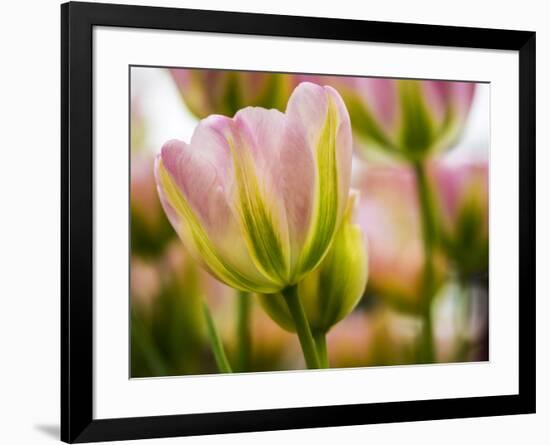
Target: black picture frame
[77,22]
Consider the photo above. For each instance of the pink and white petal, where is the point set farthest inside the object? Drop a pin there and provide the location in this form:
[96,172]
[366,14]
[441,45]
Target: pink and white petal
[201,173]
[298,173]
[307,110]
[318,123]
[198,179]
[282,157]
[307,114]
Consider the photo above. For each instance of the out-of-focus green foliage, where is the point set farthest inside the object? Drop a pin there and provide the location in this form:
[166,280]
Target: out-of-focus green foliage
[168,331]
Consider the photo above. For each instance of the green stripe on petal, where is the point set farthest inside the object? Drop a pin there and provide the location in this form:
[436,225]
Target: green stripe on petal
[259,225]
[325,213]
[202,243]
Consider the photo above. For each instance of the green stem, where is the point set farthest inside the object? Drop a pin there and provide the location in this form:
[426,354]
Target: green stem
[429,236]
[321,346]
[302,327]
[243,331]
[215,342]
[427,353]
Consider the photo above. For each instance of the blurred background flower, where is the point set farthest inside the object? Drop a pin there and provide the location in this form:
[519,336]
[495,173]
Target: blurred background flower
[207,92]
[168,288]
[390,216]
[408,119]
[151,230]
[463,198]
[167,332]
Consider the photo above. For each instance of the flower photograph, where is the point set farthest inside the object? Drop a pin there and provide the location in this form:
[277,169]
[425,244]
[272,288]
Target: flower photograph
[284,222]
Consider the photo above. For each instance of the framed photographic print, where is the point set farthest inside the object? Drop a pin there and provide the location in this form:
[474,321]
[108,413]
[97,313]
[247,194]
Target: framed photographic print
[275,222]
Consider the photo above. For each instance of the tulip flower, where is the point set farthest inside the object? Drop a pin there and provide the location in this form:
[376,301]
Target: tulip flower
[333,289]
[464,202]
[207,92]
[389,214]
[258,198]
[410,119]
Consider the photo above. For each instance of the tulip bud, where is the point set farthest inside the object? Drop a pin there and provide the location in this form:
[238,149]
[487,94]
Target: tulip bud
[333,289]
[208,92]
[258,198]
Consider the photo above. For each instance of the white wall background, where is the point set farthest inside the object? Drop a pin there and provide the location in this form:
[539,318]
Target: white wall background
[29,226]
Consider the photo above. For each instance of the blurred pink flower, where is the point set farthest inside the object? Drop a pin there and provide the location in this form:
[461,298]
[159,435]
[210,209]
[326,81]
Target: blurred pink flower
[389,215]
[407,118]
[176,274]
[168,293]
[145,283]
[193,279]
[207,91]
[462,192]
[150,230]
[350,342]
[459,186]
[258,198]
